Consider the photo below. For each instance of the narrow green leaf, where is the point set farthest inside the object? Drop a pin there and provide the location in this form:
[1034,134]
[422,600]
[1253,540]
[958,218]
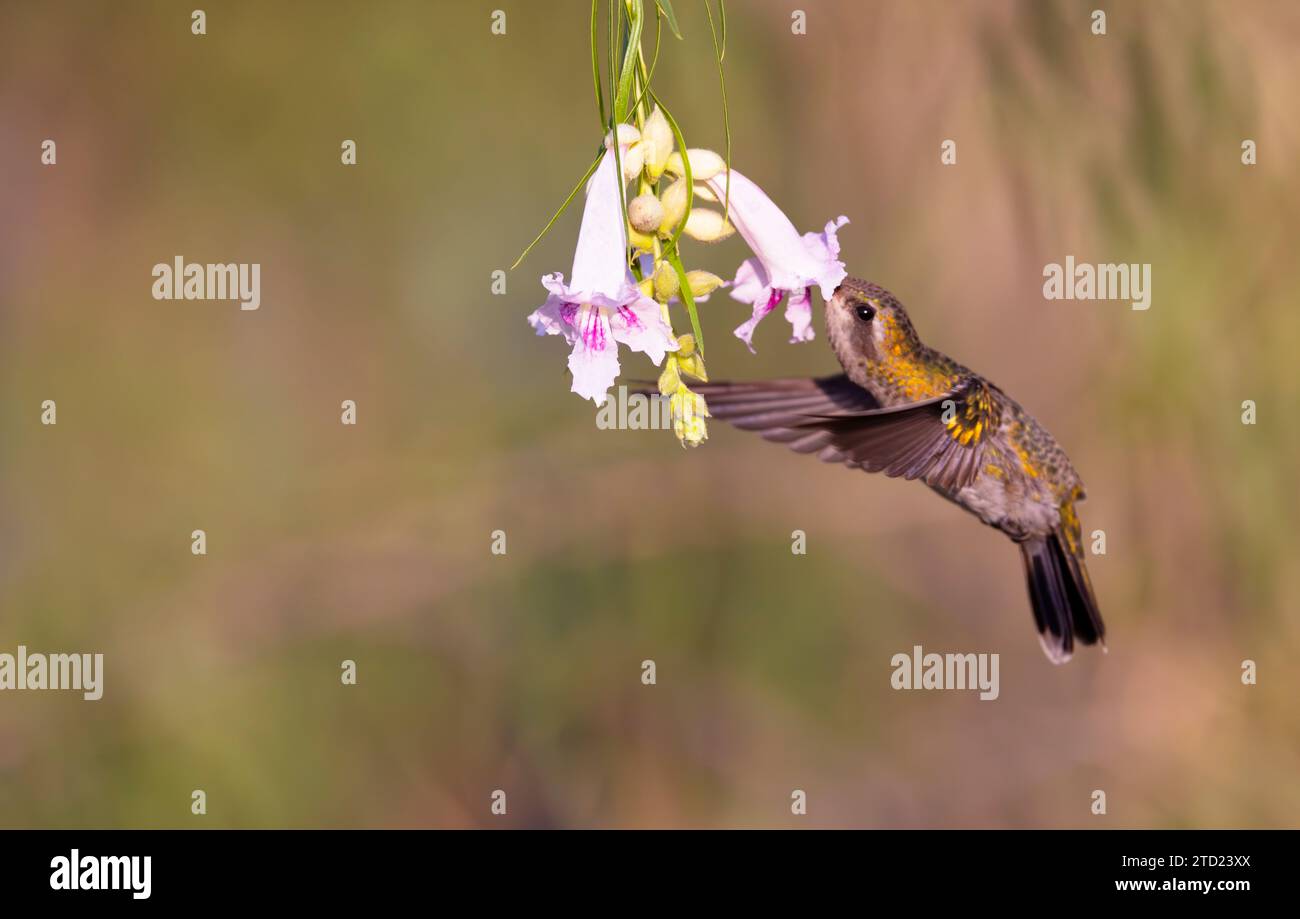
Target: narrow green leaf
[670,251]
[631,51]
[667,7]
[722,15]
[563,207]
[615,24]
[675,259]
[595,60]
[615,31]
[646,77]
[719,50]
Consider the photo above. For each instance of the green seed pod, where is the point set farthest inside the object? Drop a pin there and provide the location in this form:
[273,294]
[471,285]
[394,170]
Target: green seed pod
[665,282]
[703,283]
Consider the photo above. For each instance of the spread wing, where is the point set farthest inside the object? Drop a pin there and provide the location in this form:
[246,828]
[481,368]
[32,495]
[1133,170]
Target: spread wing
[940,441]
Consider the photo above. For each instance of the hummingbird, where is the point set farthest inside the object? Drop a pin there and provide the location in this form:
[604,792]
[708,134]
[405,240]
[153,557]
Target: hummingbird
[905,409]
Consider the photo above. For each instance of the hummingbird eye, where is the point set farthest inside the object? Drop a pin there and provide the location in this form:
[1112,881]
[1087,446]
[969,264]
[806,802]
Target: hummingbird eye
[866,312]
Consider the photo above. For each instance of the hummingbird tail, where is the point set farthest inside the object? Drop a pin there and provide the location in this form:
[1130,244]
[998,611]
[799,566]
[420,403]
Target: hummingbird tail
[1061,594]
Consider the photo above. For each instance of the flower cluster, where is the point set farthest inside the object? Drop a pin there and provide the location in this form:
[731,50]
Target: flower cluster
[628,269]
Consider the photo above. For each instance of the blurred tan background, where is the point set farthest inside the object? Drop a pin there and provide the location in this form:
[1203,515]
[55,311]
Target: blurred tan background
[522,672]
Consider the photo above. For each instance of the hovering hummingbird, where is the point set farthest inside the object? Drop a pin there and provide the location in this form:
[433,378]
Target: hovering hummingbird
[907,410]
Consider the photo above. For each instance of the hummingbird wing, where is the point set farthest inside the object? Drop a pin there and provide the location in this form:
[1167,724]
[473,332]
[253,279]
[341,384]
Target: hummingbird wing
[939,440]
[761,404]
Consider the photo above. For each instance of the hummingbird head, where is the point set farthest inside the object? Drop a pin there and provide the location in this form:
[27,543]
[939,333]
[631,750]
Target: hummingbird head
[866,322]
[876,343]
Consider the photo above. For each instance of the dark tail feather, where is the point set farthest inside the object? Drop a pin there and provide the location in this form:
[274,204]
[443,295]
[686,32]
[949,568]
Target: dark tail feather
[1061,594]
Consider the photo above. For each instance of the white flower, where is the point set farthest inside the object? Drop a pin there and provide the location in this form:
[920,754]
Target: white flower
[601,306]
[784,262]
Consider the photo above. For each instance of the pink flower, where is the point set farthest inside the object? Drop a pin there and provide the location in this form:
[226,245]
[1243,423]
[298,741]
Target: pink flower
[784,262]
[601,306]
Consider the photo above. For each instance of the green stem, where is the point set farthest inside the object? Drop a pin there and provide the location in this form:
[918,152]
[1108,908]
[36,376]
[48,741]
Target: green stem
[615,118]
[719,51]
[644,76]
[674,259]
[686,165]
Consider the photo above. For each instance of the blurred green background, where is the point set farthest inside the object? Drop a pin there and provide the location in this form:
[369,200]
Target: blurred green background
[522,672]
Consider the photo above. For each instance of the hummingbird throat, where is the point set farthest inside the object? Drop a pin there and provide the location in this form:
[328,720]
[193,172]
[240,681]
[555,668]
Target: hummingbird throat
[903,369]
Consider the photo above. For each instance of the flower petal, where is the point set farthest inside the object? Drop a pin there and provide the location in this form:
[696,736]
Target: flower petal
[798,311]
[765,227]
[768,231]
[745,331]
[641,327]
[594,361]
[554,318]
[790,261]
[824,247]
[600,272]
[752,283]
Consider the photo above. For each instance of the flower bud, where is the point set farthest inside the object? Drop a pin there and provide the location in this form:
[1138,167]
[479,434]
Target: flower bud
[703,283]
[704,193]
[689,359]
[694,365]
[645,213]
[640,240]
[670,380]
[646,286]
[666,282]
[674,203]
[627,135]
[657,137]
[705,164]
[689,411]
[691,432]
[707,226]
[633,159]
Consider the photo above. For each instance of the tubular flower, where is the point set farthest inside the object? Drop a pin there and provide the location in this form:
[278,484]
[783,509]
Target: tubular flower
[601,306]
[783,263]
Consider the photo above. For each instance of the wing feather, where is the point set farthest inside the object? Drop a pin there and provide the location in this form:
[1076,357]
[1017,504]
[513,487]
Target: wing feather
[939,440]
